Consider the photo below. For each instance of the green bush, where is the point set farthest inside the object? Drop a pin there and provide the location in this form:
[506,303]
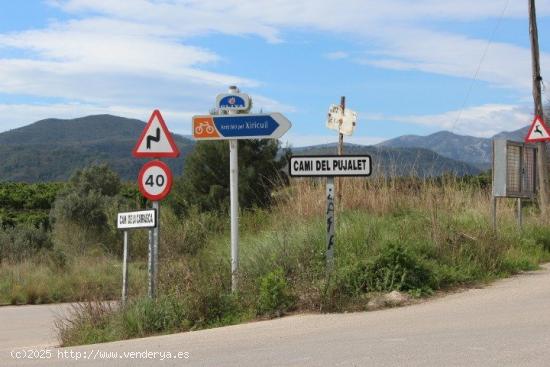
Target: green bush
[147,316]
[23,241]
[83,213]
[542,237]
[394,268]
[274,294]
[397,268]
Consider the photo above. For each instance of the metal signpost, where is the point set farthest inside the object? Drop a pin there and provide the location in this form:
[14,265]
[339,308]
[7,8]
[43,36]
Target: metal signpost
[330,167]
[234,126]
[125,222]
[155,181]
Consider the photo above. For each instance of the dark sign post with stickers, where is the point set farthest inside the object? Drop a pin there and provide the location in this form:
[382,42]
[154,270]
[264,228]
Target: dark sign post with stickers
[330,167]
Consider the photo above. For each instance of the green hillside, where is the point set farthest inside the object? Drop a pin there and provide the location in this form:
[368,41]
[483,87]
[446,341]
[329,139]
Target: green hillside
[52,149]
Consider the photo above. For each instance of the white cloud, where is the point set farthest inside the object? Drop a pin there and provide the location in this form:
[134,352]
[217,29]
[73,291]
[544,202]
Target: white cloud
[112,62]
[455,55]
[482,121]
[136,53]
[398,30]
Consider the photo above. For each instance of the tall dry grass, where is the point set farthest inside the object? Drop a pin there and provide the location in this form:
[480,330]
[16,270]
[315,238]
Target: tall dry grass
[305,198]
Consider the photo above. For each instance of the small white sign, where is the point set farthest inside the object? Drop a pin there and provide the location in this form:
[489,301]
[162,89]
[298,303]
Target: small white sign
[322,166]
[343,122]
[133,220]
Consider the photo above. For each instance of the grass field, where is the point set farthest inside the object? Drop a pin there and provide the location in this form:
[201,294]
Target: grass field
[411,236]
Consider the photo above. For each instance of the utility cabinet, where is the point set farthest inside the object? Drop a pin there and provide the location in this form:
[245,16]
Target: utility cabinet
[514,169]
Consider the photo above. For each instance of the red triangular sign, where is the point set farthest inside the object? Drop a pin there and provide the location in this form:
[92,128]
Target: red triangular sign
[156,141]
[538,131]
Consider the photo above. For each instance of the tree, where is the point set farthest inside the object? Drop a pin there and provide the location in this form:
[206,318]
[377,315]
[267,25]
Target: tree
[98,178]
[205,181]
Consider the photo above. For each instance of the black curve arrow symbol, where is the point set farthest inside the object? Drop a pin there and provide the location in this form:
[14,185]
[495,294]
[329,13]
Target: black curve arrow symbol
[151,138]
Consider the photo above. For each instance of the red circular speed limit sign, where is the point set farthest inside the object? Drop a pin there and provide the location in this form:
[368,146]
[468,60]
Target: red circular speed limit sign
[155,180]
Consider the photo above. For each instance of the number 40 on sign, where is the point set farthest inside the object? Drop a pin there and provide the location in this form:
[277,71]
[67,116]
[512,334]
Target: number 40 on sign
[155,180]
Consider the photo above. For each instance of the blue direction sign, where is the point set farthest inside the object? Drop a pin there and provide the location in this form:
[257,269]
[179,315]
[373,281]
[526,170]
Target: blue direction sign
[209,127]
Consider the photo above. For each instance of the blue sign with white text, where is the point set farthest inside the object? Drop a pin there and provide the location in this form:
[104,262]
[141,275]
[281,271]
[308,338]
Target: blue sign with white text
[245,125]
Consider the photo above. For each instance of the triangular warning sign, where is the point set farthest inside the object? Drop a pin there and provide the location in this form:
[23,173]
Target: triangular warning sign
[538,131]
[156,140]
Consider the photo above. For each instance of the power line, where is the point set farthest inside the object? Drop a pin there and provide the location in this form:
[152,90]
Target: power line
[474,78]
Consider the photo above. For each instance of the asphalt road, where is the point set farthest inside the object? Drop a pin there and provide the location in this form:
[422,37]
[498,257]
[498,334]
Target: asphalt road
[505,324]
[28,326]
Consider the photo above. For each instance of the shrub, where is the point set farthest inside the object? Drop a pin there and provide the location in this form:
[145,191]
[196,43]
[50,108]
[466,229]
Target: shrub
[83,211]
[542,237]
[22,241]
[397,268]
[394,268]
[147,316]
[274,295]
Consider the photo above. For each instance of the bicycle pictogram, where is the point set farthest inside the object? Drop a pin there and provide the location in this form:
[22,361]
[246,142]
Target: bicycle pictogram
[204,128]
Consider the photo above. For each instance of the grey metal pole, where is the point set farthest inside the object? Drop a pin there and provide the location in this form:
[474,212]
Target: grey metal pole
[234,199]
[519,214]
[494,213]
[330,223]
[125,269]
[151,285]
[156,238]
[234,203]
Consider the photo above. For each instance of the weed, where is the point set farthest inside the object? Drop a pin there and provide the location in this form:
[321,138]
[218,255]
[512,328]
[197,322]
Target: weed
[274,295]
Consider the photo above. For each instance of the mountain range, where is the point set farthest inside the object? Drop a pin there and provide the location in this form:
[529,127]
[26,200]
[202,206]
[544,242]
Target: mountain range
[470,149]
[52,149]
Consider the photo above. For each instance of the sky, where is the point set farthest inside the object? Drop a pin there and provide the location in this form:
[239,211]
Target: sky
[405,66]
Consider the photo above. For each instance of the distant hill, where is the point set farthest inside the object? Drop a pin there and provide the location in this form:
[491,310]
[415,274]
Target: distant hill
[516,135]
[52,149]
[473,150]
[398,161]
